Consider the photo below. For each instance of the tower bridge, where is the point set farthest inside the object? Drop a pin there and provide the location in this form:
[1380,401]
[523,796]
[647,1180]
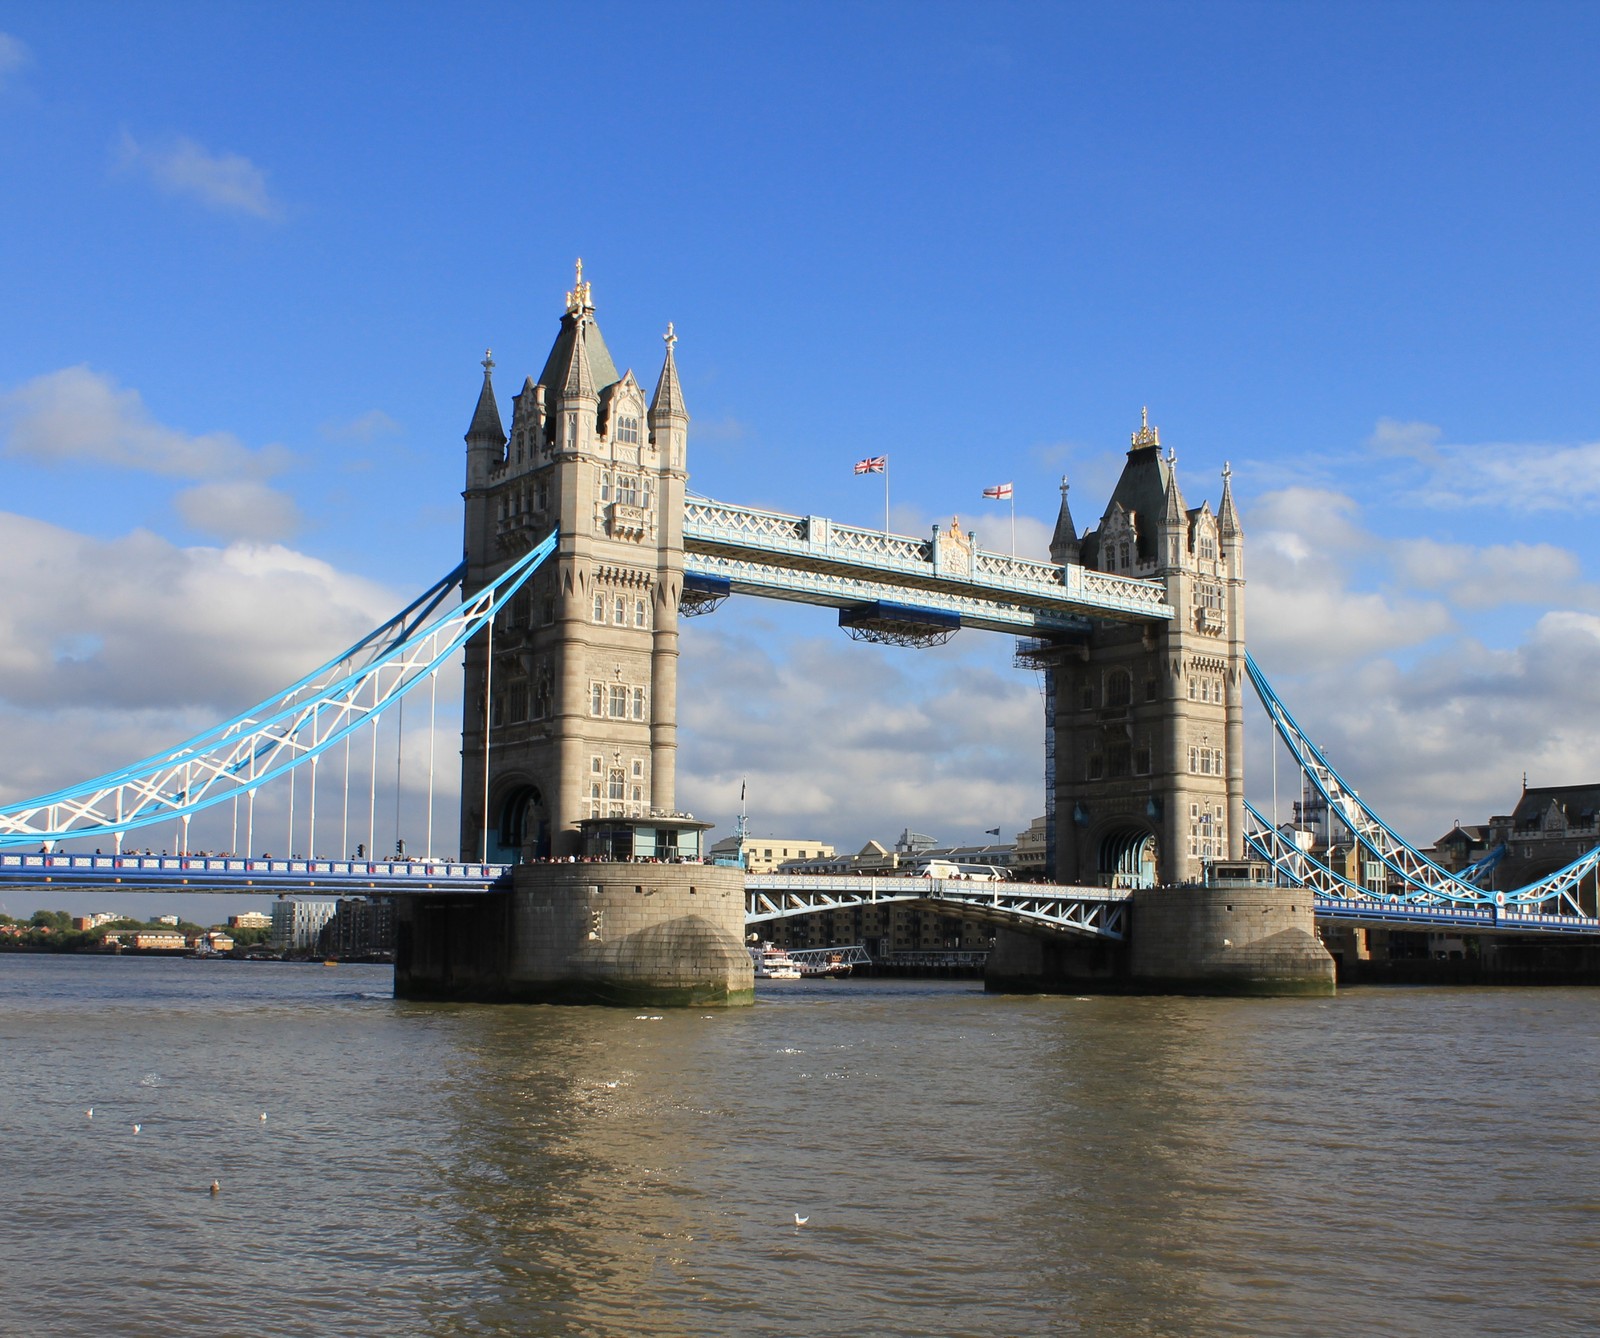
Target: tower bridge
[583,551]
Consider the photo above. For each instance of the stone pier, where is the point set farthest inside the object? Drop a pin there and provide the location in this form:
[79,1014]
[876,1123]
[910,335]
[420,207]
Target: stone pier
[635,934]
[1238,934]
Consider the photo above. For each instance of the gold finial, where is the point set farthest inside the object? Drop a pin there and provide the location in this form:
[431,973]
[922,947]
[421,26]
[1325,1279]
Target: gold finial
[488,362]
[669,339]
[1144,410]
[1146,435]
[579,299]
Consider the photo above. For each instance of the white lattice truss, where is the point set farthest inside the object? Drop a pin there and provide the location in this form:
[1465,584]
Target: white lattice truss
[1097,912]
[814,560]
[1413,877]
[294,727]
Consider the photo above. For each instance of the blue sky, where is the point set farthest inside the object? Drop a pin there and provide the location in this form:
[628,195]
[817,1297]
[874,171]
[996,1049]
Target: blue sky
[252,255]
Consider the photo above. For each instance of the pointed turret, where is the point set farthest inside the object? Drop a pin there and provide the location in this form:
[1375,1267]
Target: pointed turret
[1064,542]
[669,420]
[486,429]
[578,383]
[1227,516]
[668,398]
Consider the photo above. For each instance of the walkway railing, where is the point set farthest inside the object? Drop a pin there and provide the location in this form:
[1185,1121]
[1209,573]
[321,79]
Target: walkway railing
[814,560]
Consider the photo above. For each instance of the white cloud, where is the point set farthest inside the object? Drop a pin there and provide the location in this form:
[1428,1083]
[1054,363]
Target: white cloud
[77,415]
[228,182]
[844,742]
[136,623]
[365,427]
[14,56]
[1363,638]
[1495,575]
[240,509]
[1522,477]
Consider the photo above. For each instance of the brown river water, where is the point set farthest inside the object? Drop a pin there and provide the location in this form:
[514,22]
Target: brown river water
[1391,1161]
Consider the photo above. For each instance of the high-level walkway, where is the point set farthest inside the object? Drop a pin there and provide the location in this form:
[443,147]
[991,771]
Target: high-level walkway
[814,560]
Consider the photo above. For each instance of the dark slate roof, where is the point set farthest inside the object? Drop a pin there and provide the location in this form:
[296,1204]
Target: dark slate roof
[1064,542]
[486,424]
[556,366]
[1142,489]
[1578,803]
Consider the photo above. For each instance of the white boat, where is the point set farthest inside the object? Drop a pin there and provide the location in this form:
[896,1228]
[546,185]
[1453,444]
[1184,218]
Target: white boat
[773,963]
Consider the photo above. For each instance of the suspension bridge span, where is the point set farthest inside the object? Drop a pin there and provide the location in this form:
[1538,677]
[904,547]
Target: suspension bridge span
[584,553]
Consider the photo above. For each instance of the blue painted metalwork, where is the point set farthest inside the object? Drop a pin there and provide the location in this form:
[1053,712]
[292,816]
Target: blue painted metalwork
[1422,881]
[1094,912]
[216,873]
[297,725]
[814,560]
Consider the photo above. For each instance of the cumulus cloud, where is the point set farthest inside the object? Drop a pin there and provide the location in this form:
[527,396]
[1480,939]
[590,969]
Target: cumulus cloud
[225,182]
[137,623]
[14,56]
[1494,575]
[239,509]
[1363,636]
[80,416]
[844,742]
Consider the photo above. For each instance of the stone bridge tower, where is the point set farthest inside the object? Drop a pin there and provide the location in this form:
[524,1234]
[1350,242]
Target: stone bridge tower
[577,703]
[1148,722]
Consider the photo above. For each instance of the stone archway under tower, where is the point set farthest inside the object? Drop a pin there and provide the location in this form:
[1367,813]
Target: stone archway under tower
[522,828]
[1128,856]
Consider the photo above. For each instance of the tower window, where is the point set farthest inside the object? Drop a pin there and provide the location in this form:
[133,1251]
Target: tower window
[1119,688]
[597,699]
[599,607]
[619,611]
[605,485]
[628,429]
[640,613]
[638,703]
[619,702]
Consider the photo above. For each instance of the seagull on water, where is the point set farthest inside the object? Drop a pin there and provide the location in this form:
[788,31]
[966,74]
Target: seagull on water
[800,1221]
[263,1117]
[216,1188]
[136,1128]
[90,1112]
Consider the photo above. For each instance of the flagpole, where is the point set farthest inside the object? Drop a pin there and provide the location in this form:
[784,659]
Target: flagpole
[885,497]
[1013,523]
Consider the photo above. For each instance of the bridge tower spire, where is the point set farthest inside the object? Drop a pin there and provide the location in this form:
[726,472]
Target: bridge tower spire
[1148,727]
[576,717]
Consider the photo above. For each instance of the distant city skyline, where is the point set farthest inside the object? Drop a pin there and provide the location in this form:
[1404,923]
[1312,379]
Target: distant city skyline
[253,261]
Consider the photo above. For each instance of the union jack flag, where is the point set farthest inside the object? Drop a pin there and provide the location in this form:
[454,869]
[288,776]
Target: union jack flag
[1000,491]
[874,464]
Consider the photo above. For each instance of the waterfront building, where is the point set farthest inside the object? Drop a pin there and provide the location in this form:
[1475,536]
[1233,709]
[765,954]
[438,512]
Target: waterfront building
[764,854]
[146,939]
[360,927]
[296,924]
[250,920]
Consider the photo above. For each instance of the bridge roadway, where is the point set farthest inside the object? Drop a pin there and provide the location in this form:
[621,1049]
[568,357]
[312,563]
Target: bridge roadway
[1096,912]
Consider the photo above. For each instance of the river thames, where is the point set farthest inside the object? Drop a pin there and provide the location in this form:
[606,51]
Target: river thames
[1392,1161]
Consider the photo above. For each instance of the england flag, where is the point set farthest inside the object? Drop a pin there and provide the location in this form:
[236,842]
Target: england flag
[999,492]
